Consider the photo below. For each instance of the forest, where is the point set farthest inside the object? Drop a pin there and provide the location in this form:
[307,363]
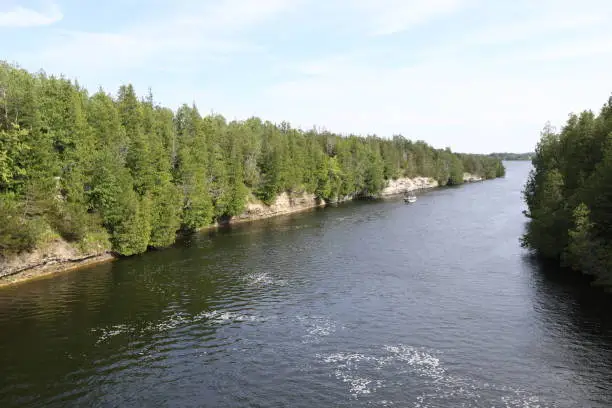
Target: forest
[569,195]
[512,156]
[124,174]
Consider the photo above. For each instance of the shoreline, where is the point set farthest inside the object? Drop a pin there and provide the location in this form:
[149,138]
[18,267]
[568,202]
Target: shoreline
[255,212]
[52,268]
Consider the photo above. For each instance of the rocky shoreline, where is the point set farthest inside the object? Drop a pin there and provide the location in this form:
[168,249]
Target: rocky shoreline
[59,255]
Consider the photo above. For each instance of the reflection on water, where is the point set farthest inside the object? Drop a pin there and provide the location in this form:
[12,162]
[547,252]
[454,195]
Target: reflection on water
[569,308]
[363,304]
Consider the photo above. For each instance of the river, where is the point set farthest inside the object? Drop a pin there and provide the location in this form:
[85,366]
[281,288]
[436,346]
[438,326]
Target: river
[367,304]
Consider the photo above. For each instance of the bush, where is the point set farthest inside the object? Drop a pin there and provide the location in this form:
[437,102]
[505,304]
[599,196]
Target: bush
[18,233]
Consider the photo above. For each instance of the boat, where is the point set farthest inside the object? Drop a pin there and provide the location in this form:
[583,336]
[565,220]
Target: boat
[409,198]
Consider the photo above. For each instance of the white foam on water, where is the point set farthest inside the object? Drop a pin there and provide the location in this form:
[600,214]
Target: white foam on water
[345,359]
[317,327]
[522,401]
[347,370]
[259,279]
[419,361]
[224,317]
[174,321]
[263,279]
[109,332]
[384,403]
[358,385]
[440,387]
[320,329]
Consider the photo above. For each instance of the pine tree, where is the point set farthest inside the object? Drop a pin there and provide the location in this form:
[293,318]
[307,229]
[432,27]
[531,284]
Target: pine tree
[191,169]
[124,173]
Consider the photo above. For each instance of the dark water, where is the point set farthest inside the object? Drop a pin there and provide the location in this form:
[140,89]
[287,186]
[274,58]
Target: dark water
[432,304]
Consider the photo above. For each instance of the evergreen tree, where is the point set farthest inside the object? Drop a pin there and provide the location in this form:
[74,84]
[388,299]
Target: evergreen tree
[569,194]
[238,191]
[125,174]
[138,158]
[192,169]
[165,196]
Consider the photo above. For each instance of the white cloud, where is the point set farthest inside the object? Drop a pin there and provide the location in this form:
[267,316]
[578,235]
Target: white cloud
[539,65]
[179,41]
[393,16]
[598,46]
[25,17]
[108,52]
[488,85]
[534,27]
[472,103]
[238,15]
[327,64]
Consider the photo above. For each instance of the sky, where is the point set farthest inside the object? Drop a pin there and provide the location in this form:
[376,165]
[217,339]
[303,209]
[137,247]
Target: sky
[473,75]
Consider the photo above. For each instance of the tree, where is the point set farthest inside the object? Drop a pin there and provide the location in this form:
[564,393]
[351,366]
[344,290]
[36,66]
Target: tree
[569,194]
[191,170]
[13,147]
[138,158]
[165,197]
[238,191]
[126,174]
[456,171]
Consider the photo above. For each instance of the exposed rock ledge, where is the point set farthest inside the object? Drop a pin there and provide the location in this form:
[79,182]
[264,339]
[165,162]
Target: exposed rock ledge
[402,185]
[59,255]
[56,256]
[284,204]
[471,178]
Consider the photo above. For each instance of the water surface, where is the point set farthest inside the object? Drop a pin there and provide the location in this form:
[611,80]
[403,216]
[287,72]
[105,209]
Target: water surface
[432,304]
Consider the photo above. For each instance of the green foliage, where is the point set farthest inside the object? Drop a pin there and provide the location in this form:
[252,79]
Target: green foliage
[191,169]
[569,194]
[271,183]
[323,188]
[374,175]
[238,191]
[12,149]
[70,220]
[132,235]
[456,171]
[578,250]
[95,242]
[512,156]
[124,174]
[17,232]
[165,215]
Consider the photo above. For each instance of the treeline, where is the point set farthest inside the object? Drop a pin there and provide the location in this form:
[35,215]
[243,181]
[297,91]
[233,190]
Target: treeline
[512,156]
[569,194]
[125,174]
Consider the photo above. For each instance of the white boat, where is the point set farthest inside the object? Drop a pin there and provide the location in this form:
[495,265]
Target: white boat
[409,198]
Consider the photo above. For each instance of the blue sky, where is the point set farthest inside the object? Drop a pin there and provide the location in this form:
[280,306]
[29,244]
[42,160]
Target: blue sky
[475,75]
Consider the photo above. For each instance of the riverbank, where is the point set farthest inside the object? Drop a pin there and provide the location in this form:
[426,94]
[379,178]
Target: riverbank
[60,256]
[375,304]
[55,256]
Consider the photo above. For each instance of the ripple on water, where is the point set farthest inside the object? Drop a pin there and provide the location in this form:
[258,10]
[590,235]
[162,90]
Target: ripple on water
[216,316]
[332,315]
[396,367]
[261,279]
[174,321]
[317,328]
[347,371]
